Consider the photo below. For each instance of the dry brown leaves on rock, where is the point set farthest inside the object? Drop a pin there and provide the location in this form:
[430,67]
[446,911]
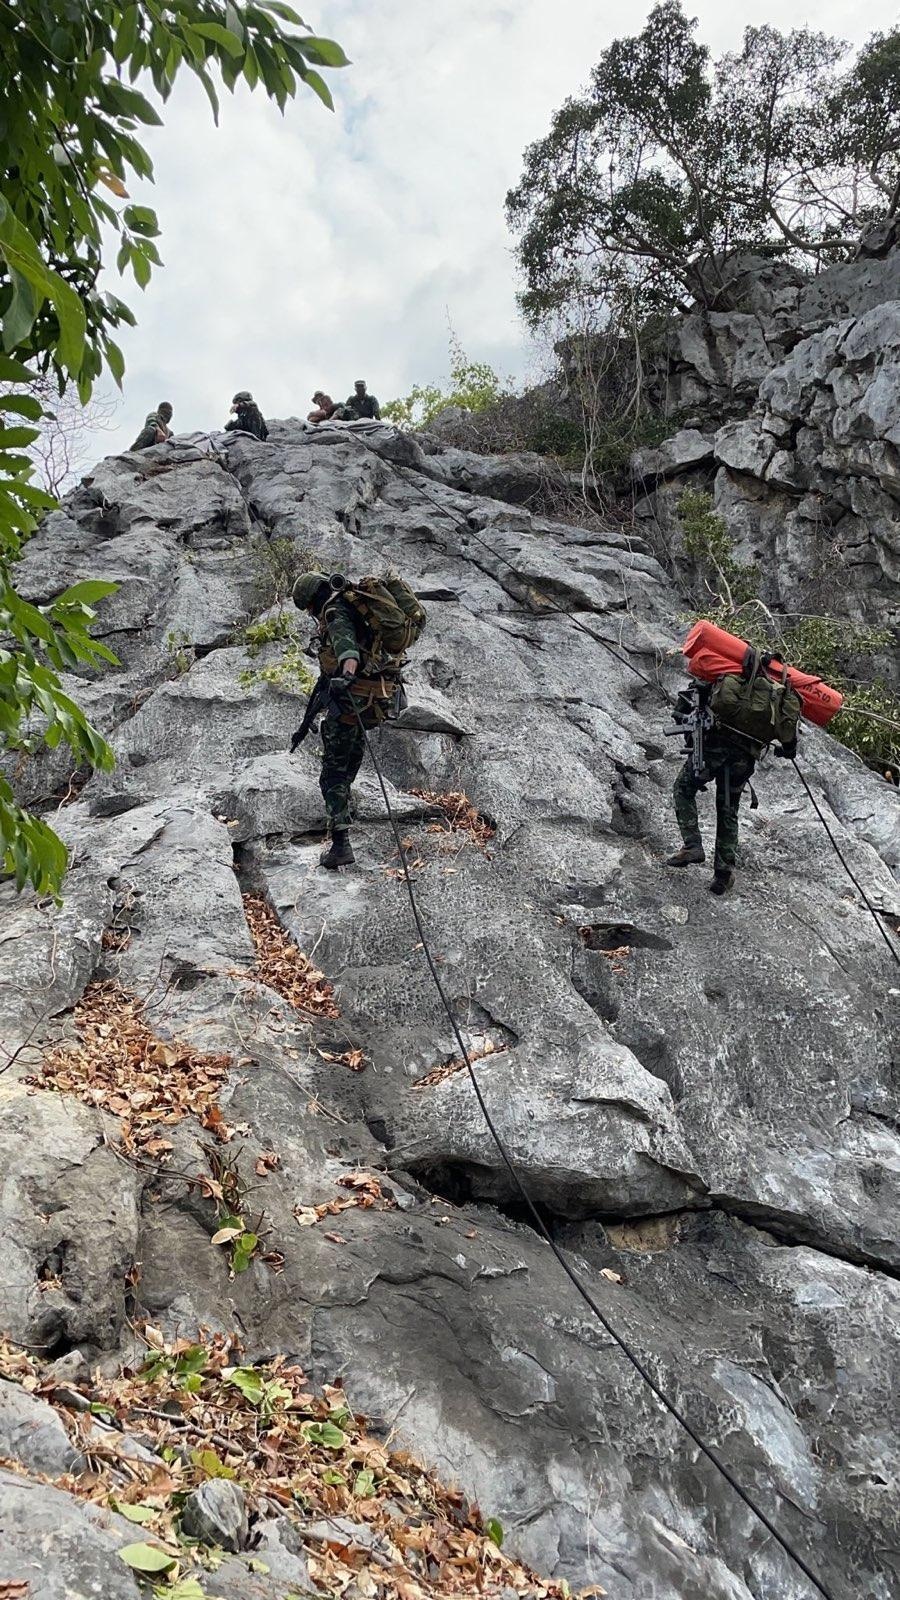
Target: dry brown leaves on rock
[281,966]
[364,1516]
[356,1060]
[366,1193]
[448,1069]
[119,1065]
[460,815]
[616,957]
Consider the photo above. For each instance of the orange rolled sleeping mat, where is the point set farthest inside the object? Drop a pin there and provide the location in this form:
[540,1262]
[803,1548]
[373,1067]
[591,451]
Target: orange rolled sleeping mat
[711,652]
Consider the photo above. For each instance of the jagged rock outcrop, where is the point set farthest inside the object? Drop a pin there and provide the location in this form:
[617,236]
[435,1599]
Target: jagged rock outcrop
[795,391]
[700,1094]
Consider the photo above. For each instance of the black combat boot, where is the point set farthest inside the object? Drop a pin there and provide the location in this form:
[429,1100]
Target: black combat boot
[722,880]
[339,852]
[688,856]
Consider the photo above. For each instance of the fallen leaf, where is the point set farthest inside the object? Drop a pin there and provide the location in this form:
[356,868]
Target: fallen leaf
[225,1235]
[607,1272]
[147,1558]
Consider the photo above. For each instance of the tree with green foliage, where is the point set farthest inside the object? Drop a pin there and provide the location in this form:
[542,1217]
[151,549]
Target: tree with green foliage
[474,386]
[669,163]
[70,115]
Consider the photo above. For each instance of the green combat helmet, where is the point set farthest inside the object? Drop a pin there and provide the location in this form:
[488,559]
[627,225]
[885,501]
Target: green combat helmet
[307,588]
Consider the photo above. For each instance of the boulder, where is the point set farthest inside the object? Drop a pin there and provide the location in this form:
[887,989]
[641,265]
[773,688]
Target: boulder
[31,1432]
[685,450]
[216,1514]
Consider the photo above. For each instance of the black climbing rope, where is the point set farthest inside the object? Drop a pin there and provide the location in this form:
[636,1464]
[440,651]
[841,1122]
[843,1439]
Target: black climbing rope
[876,914]
[573,1276]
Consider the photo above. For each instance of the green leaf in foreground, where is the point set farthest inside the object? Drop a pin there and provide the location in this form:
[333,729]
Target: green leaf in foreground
[495,1531]
[325,1433]
[136,1513]
[147,1558]
[249,1382]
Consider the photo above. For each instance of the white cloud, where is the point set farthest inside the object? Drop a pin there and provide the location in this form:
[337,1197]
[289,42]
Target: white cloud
[310,250]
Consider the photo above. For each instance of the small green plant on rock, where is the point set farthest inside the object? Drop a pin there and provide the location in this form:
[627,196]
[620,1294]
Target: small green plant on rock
[178,646]
[290,672]
[276,565]
[271,629]
[708,542]
[474,386]
[828,647]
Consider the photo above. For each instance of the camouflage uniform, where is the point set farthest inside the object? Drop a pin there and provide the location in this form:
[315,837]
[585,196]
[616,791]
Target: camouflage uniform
[343,742]
[358,406]
[153,424]
[249,419]
[729,761]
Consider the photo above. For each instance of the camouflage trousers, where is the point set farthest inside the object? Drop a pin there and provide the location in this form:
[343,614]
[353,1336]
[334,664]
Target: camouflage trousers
[730,772]
[343,748]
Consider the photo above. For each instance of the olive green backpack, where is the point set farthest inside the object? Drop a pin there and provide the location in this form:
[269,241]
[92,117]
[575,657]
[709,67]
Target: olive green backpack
[752,704]
[392,616]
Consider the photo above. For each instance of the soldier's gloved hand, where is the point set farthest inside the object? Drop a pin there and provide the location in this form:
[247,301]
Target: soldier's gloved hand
[340,693]
[297,739]
[786,752]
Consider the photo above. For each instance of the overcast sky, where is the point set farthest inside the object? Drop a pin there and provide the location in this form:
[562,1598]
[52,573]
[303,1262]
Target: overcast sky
[313,249]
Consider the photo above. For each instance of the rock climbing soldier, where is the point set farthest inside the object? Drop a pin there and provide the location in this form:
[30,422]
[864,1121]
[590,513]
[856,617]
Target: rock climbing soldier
[363,631]
[248,418]
[156,428]
[721,751]
[361,404]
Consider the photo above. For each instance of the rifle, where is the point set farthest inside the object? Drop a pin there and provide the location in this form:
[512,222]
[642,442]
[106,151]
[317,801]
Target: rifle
[693,724]
[313,706]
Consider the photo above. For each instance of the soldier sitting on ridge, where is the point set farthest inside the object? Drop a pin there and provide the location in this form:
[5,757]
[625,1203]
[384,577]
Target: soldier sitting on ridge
[156,428]
[249,418]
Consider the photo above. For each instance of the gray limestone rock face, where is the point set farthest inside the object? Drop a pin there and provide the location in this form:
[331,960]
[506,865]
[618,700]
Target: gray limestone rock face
[62,1548]
[700,1095]
[31,1432]
[686,449]
[802,404]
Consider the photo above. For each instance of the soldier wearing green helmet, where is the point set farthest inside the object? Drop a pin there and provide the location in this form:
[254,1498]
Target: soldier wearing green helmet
[248,418]
[364,630]
[343,740]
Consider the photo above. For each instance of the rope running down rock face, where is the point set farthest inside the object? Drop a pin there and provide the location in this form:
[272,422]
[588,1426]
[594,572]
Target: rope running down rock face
[574,1278]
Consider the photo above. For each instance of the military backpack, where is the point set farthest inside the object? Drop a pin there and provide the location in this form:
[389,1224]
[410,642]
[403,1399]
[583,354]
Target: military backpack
[392,618]
[754,705]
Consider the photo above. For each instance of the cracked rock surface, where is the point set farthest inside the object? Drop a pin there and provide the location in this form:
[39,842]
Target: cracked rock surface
[701,1095]
[797,394]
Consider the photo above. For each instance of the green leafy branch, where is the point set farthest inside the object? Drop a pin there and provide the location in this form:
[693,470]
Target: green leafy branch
[70,123]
